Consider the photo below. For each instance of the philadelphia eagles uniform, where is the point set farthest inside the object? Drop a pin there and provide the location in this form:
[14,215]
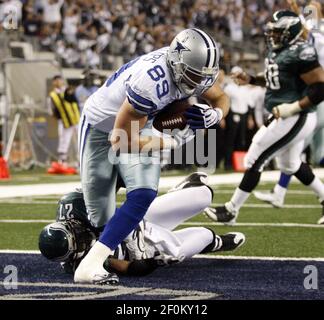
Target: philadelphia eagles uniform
[154,238]
[282,72]
[289,62]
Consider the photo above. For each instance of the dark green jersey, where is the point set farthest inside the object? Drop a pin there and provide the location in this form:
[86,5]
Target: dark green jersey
[282,73]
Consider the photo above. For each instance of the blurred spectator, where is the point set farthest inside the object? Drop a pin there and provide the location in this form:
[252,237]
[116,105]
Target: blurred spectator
[236,120]
[89,84]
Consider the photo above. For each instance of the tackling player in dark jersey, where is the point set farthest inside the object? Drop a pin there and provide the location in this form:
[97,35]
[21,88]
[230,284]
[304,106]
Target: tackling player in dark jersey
[295,84]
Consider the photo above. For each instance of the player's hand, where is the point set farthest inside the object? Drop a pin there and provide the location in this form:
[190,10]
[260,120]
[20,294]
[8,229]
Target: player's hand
[286,110]
[241,78]
[202,116]
[183,136]
[164,259]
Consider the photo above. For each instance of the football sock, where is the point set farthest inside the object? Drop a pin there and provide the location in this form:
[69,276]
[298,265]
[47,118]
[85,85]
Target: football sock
[237,200]
[171,209]
[250,180]
[127,217]
[284,180]
[318,187]
[280,191]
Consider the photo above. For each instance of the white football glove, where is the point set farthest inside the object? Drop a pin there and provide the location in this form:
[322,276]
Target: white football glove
[286,110]
[202,116]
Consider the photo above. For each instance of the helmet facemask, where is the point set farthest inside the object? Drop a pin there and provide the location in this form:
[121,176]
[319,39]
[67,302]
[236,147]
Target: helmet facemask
[191,81]
[284,32]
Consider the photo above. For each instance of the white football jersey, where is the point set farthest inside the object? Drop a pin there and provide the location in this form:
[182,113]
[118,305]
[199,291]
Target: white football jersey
[317,39]
[147,83]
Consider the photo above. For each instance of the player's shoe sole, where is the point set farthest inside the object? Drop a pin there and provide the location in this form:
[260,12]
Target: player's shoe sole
[321,220]
[270,198]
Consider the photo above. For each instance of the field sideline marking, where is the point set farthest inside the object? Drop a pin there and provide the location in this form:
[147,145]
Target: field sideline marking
[202,256]
[197,223]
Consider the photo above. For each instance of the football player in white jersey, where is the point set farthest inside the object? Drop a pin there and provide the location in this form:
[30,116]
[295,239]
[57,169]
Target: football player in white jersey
[108,137]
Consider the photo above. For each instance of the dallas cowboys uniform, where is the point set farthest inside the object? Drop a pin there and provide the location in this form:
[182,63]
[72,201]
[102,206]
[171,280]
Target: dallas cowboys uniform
[147,84]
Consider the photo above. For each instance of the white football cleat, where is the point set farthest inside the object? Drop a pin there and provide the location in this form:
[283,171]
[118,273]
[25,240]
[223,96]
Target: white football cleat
[321,220]
[91,269]
[94,275]
[269,197]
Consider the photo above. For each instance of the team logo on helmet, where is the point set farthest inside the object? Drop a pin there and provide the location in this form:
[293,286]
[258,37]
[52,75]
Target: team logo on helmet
[180,47]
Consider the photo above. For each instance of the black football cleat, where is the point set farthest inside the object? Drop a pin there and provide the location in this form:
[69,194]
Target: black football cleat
[196,179]
[231,241]
[220,214]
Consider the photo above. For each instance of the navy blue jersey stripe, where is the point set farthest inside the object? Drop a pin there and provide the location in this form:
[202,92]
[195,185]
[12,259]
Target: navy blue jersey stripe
[140,108]
[137,98]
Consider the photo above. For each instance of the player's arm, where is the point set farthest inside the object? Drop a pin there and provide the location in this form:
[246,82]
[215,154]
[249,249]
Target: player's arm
[136,268]
[203,116]
[126,132]
[218,99]
[315,94]
[243,78]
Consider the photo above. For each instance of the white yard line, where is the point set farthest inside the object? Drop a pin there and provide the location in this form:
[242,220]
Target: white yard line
[203,256]
[165,183]
[257,224]
[25,221]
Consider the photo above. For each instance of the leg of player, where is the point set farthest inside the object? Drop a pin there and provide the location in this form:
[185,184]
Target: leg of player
[278,138]
[277,195]
[190,197]
[202,240]
[306,176]
[141,178]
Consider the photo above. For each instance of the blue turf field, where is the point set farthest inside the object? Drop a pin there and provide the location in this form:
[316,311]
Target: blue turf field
[198,278]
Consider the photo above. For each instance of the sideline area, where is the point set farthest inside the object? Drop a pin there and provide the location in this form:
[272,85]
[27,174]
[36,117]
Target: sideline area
[165,183]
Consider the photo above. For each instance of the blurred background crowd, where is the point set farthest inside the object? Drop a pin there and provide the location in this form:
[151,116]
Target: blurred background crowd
[88,32]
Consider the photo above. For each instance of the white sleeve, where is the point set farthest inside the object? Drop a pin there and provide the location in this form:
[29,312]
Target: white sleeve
[140,93]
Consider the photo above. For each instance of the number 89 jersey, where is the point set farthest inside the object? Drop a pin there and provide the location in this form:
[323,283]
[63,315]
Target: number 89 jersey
[145,81]
[282,73]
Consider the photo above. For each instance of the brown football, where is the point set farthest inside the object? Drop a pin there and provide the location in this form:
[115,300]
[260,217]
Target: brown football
[172,116]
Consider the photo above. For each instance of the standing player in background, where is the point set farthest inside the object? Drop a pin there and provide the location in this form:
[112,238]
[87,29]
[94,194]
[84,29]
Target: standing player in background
[65,109]
[295,85]
[277,196]
[110,140]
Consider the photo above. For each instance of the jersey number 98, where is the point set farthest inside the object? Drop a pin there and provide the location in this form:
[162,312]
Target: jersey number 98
[272,76]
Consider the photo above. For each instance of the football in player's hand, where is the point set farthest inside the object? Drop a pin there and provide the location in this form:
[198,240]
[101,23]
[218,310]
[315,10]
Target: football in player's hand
[172,116]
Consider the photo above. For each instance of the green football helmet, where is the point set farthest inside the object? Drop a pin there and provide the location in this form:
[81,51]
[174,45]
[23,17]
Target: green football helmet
[65,241]
[284,29]
[72,206]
